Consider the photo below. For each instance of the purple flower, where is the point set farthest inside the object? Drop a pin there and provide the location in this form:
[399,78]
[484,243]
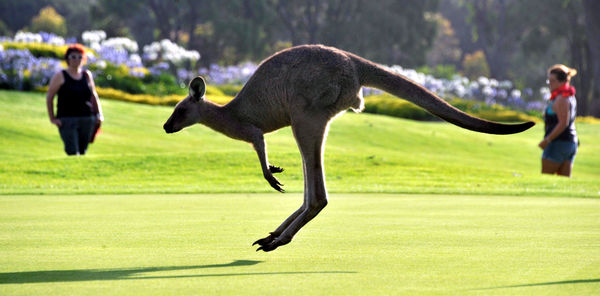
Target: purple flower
[20,65]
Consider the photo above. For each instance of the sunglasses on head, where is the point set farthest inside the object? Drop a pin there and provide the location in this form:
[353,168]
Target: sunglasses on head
[75,56]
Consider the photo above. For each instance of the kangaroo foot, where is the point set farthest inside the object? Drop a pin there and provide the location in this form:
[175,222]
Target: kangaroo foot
[272,245]
[266,240]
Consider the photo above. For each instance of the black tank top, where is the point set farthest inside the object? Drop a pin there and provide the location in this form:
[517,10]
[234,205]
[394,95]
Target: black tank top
[551,120]
[74,97]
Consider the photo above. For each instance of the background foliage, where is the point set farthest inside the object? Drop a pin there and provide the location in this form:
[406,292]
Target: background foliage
[514,40]
[160,76]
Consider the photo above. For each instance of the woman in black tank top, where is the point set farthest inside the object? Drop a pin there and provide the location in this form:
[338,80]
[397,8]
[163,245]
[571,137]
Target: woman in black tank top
[78,114]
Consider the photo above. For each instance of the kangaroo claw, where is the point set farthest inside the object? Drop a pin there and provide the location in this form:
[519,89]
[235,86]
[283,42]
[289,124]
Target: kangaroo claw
[270,243]
[271,246]
[266,240]
[275,169]
[275,183]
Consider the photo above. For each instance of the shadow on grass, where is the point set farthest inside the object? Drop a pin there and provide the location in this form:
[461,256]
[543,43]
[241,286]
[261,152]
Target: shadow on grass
[586,281]
[79,275]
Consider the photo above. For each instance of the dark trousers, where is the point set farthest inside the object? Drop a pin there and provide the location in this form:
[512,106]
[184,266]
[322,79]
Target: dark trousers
[75,133]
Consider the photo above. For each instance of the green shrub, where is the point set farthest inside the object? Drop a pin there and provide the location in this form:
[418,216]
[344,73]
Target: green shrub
[117,77]
[114,94]
[588,119]
[505,115]
[389,105]
[169,100]
[439,71]
[163,84]
[491,112]
[213,90]
[230,89]
[392,106]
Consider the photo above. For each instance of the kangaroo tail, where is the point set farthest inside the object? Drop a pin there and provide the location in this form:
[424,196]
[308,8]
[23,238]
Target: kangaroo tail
[373,75]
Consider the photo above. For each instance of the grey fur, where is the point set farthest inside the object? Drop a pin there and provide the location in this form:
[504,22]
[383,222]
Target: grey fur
[305,87]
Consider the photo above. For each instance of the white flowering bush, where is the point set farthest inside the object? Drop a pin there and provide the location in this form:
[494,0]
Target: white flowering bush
[41,37]
[238,74]
[489,91]
[28,37]
[167,51]
[92,39]
[116,62]
[121,43]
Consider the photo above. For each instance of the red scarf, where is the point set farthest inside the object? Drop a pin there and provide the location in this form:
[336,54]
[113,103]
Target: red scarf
[564,90]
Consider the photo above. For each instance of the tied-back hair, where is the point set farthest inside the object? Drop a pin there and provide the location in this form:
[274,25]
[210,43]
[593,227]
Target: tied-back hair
[76,48]
[562,72]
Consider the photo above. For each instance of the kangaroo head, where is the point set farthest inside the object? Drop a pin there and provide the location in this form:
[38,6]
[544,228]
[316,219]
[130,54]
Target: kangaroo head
[186,112]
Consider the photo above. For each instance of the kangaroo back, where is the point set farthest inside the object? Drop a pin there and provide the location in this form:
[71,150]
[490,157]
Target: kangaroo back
[373,75]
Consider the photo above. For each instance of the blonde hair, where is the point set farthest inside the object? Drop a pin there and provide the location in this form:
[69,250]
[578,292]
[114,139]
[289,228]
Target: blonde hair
[562,72]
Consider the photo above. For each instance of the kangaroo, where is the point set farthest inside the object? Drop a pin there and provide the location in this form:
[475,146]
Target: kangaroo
[305,87]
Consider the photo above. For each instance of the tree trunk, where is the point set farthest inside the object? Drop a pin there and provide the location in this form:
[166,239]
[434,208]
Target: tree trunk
[592,25]
[286,19]
[579,50]
[162,18]
[493,43]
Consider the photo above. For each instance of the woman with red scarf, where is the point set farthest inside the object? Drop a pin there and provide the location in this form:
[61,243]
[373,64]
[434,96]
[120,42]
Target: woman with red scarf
[560,138]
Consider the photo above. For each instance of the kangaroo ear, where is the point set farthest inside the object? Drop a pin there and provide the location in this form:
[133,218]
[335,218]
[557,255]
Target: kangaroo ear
[197,88]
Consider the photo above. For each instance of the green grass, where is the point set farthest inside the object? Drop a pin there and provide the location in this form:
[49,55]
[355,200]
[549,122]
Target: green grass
[361,244]
[495,225]
[364,153]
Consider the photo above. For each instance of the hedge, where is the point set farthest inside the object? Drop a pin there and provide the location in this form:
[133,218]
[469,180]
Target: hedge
[38,49]
[390,105]
[378,104]
[213,94]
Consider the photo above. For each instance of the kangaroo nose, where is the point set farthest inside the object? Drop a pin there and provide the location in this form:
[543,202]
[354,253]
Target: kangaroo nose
[168,130]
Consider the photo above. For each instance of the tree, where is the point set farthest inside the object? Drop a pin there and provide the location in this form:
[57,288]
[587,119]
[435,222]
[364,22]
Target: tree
[387,31]
[307,20]
[48,20]
[475,66]
[521,39]
[445,48]
[498,28]
[17,14]
[246,30]
[167,17]
[579,51]
[4,30]
[592,26]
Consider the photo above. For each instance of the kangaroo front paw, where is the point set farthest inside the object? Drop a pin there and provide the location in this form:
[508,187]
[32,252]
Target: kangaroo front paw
[274,183]
[275,169]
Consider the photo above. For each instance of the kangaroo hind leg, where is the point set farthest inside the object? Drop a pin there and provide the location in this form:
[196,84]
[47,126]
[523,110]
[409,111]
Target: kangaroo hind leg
[310,136]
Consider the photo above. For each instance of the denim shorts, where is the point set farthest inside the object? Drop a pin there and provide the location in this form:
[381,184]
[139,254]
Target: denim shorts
[560,151]
[76,133]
